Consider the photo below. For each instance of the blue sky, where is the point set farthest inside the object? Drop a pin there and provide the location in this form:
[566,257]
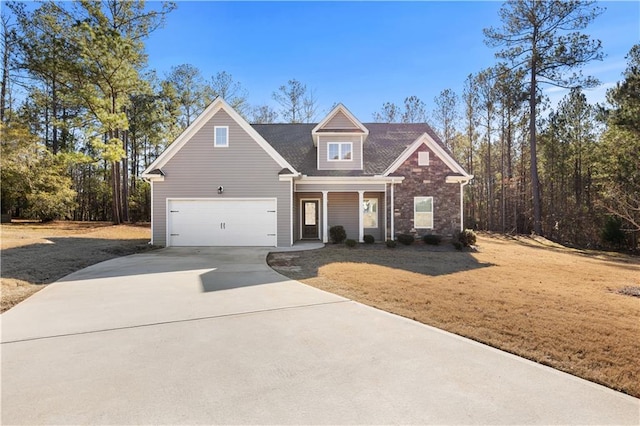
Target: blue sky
[359,53]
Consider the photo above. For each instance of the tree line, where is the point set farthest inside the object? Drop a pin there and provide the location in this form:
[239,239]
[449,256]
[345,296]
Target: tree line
[82,115]
[92,115]
[570,172]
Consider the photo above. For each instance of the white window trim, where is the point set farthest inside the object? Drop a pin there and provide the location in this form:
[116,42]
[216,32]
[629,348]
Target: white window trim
[377,212]
[215,136]
[423,154]
[415,202]
[340,144]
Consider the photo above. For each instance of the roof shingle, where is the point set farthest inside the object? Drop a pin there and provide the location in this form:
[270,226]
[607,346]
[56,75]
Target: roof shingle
[384,145]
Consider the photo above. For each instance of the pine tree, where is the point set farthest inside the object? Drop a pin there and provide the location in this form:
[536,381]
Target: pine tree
[543,39]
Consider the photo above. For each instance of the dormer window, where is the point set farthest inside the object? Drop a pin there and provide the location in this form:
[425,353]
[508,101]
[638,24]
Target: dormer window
[339,151]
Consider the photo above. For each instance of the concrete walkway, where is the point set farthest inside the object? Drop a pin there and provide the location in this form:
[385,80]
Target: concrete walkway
[214,336]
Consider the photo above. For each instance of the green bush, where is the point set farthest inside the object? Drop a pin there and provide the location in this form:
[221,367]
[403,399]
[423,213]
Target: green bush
[391,244]
[612,232]
[467,238]
[406,239]
[337,234]
[368,239]
[432,239]
[350,243]
[457,244]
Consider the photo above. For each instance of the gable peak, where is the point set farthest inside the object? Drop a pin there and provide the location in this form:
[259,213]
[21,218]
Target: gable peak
[339,120]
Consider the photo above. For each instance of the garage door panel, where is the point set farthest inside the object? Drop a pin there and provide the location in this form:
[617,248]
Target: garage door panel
[238,222]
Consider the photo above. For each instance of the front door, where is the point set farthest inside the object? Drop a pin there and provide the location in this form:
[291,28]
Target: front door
[310,218]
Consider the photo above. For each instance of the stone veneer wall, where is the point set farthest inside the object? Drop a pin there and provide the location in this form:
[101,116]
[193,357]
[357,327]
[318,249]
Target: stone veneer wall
[426,181]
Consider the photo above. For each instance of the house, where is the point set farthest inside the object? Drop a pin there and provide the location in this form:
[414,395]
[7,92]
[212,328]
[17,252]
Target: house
[225,182]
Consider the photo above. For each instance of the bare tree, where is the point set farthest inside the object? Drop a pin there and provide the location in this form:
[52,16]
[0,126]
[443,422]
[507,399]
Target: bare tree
[390,113]
[298,104]
[223,85]
[263,114]
[446,116]
[415,111]
[309,107]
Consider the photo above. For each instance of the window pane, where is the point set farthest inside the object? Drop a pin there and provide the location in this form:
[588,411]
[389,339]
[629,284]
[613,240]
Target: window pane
[221,136]
[310,213]
[423,204]
[370,213]
[334,151]
[346,151]
[423,220]
[423,212]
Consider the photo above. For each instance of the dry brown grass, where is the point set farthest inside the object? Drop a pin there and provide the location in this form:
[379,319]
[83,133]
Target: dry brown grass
[36,254]
[557,306]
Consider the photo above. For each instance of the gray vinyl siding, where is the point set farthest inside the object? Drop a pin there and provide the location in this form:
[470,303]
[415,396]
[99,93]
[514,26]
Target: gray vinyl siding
[244,169]
[379,231]
[343,210]
[318,187]
[356,153]
[339,121]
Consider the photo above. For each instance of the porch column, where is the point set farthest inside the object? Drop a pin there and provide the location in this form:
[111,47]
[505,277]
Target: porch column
[360,217]
[393,213]
[325,215]
[462,184]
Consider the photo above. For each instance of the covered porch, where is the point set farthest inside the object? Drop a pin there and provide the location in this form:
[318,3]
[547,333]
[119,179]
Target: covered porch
[364,207]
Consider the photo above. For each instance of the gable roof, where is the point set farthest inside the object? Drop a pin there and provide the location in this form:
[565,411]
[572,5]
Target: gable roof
[213,108]
[386,143]
[334,123]
[437,148]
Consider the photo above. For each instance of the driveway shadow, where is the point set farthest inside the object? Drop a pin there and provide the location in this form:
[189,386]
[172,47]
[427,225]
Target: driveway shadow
[421,259]
[44,263]
[218,280]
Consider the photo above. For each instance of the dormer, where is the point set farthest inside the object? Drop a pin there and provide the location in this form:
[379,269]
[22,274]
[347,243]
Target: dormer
[339,139]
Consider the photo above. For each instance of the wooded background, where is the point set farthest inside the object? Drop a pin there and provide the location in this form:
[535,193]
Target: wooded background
[94,116]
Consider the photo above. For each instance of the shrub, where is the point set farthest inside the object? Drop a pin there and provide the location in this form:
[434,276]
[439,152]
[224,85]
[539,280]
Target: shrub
[350,243]
[612,231]
[457,244]
[467,238]
[432,239]
[368,239]
[391,244]
[406,239]
[338,234]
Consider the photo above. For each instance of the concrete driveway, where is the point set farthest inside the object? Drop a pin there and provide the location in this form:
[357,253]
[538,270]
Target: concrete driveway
[214,336]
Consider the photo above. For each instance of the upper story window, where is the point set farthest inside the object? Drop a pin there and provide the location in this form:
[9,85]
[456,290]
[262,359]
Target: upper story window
[221,136]
[339,151]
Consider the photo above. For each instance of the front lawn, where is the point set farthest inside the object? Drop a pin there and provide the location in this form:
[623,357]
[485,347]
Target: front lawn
[35,254]
[570,309]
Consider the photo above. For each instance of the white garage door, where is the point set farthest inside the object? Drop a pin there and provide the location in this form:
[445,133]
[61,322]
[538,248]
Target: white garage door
[230,222]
